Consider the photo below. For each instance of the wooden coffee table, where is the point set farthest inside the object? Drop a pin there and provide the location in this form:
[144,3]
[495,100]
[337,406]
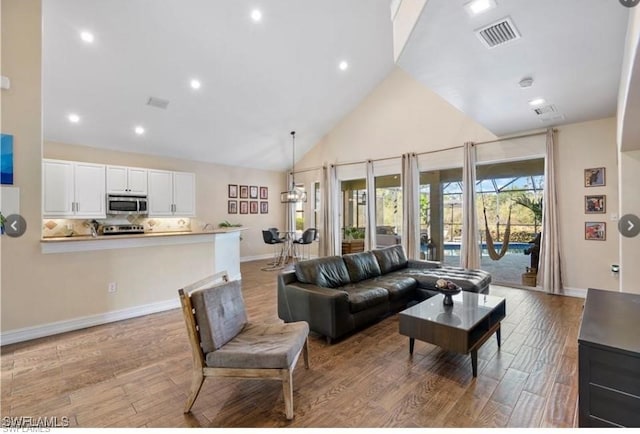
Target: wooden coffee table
[462,328]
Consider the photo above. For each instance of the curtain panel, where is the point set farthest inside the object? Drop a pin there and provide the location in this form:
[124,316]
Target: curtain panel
[330,235]
[370,213]
[411,205]
[469,250]
[549,273]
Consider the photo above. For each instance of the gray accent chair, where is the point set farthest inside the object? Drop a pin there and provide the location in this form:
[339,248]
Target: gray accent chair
[225,344]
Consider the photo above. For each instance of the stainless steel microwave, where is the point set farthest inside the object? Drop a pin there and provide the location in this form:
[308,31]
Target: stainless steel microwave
[127,204]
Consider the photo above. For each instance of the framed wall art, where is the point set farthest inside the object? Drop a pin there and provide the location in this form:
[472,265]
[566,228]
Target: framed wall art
[244,207]
[253,207]
[595,204]
[6,159]
[233,191]
[595,231]
[594,177]
[253,192]
[264,207]
[264,193]
[232,207]
[244,192]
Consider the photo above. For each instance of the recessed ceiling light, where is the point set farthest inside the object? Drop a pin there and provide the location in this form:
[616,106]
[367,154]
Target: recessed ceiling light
[343,65]
[139,130]
[86,37]
[195,84]
[479,6]
[537,101]
[73,118]
[256,15]
[526,82]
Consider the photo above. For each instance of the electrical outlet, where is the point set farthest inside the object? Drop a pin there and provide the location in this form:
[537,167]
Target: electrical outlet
[113,287]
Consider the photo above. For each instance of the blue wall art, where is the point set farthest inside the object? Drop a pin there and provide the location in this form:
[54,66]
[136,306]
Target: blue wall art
[6,159]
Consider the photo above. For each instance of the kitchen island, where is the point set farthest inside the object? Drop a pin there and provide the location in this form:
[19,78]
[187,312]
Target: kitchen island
[225,243]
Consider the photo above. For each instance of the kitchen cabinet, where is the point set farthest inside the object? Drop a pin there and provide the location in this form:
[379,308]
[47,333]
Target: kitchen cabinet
[126,180]
[171,193]
[73,189]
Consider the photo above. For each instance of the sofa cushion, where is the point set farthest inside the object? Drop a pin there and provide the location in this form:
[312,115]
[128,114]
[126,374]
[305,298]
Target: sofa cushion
[273,345]
[363,296]
[361,266]
[328,272]
[398,286]
[391,258]
[468,279]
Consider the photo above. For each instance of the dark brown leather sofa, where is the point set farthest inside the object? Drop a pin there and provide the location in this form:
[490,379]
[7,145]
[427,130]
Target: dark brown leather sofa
[338,294]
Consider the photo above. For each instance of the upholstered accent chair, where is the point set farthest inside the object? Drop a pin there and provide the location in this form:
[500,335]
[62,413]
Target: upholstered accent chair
[225,344]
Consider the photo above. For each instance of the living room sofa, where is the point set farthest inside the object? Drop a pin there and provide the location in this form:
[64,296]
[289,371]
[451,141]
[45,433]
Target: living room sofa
[338,294]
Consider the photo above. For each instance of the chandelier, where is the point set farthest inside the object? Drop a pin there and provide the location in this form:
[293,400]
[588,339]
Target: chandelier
[294,194]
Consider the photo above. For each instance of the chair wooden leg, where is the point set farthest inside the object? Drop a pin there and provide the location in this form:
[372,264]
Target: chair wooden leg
[287,389]
[196,384]
[305,353]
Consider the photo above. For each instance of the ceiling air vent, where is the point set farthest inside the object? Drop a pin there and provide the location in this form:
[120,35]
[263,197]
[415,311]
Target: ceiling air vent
[498,33]
[158,102]
[545,109]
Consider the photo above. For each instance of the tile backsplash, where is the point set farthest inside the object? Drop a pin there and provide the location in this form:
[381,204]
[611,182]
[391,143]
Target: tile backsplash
[68,227]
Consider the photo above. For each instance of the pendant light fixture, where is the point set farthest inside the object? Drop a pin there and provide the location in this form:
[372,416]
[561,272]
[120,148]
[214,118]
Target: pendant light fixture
[294,194]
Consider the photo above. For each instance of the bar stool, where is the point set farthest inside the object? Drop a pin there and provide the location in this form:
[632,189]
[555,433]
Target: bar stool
[268,238]
[307,238]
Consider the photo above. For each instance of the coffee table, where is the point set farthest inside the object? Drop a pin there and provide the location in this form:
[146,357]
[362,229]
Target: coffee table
[462,327]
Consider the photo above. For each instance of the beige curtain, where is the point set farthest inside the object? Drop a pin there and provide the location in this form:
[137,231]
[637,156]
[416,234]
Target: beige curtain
[469,250]
[411,206]
[330,236]
[549,272]
[370,229]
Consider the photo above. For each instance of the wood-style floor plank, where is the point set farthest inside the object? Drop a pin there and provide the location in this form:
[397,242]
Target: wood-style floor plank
[137,373]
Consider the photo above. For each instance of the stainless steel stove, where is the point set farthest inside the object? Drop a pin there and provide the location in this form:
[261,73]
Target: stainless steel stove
[123,229]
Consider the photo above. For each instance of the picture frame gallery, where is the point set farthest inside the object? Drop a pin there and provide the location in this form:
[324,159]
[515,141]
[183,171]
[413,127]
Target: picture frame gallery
[236,191]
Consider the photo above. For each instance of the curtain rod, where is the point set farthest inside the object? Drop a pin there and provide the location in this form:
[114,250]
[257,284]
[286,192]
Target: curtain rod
[522,136]
[348,163]
[501,139]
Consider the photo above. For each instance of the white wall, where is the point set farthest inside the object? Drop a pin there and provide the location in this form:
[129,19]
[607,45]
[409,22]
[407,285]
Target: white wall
[630,204]
[581,146]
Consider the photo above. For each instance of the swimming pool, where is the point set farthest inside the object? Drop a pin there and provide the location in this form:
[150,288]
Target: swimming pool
[453,248]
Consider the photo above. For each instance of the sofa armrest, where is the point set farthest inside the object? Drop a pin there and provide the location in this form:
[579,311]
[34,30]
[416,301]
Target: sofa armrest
[325,309]
[422,264]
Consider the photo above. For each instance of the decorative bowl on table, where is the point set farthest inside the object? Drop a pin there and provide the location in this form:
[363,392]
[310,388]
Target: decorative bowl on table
[447,288]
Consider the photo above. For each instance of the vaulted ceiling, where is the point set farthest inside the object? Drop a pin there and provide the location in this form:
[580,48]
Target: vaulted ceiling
[260,79]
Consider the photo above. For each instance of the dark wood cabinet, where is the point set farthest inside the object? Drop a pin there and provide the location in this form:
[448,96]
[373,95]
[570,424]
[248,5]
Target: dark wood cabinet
[609,360]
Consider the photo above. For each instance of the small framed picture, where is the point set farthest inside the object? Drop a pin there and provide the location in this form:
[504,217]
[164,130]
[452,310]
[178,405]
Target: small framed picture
[244,192]
[264,207]
[595,231]
[594,177]
[253,192]
[253,207]
[244,206]
[264,193]
[233,191]
[596,204]
[232,207]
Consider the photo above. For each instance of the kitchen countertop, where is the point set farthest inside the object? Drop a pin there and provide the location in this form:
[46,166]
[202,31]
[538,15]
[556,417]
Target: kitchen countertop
[145,235]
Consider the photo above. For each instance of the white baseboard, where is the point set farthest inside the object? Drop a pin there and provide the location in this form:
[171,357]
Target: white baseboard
[256,257]
[54,328]
[575,292]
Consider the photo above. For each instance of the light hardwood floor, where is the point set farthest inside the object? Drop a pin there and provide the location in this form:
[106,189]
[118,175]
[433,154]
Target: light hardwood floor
[136,373]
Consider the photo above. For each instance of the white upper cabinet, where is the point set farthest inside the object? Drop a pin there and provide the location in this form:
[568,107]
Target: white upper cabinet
[126,180]
[171,194]
[73,189]
[184,193]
